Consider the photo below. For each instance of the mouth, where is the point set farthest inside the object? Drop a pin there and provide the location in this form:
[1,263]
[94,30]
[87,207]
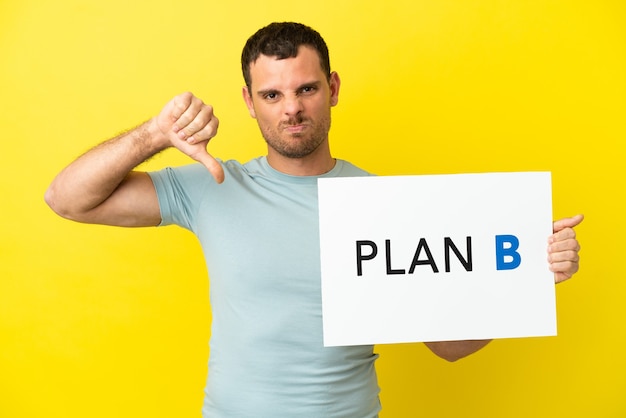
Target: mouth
[295,125]
[295,128]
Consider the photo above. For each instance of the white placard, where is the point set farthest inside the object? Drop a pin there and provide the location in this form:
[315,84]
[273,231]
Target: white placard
[436,258]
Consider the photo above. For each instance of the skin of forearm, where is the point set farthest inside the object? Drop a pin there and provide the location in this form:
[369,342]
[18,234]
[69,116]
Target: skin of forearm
[456,350]
[94,176]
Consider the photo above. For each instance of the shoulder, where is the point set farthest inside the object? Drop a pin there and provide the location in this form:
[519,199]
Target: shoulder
[347,169]
[196,172]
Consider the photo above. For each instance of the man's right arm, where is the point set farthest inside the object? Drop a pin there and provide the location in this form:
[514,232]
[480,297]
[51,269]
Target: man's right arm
[101,187]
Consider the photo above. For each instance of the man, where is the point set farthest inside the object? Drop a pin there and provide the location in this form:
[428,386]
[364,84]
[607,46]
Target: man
[257,224]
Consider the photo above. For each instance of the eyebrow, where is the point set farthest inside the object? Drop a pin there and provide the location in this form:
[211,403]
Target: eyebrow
[315,84]
[262,93]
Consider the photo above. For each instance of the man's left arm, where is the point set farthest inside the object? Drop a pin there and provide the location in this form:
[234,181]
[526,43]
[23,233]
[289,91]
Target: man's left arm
[563,260]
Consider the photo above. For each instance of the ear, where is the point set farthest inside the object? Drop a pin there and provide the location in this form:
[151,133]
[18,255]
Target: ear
[335,83]
[248,99]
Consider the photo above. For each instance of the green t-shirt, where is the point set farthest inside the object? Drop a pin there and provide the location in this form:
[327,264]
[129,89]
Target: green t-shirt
[259,232]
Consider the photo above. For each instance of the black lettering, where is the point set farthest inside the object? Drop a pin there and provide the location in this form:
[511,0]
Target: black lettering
[388,255]
[360,256]
[467,262]
[423,245]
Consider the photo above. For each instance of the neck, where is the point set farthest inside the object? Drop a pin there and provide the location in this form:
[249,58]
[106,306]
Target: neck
[318,162]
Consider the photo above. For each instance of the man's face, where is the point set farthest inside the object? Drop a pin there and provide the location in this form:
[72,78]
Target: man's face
[291,100]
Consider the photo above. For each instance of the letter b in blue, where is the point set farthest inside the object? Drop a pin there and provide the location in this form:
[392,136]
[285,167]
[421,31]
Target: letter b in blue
[507,245]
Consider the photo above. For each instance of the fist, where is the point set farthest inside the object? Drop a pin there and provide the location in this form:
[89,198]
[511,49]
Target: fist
[563,248]
[188,124]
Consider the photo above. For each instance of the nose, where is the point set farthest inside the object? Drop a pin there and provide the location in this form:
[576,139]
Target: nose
[292,105]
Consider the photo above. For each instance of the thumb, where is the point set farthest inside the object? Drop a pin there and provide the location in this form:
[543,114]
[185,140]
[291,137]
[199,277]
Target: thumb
[567,223]
[211,164]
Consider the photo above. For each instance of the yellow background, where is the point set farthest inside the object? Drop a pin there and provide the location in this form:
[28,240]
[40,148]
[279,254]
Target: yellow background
[110,322]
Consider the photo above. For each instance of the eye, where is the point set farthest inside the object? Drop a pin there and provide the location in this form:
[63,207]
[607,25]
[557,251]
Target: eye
[307,89]
[270,96]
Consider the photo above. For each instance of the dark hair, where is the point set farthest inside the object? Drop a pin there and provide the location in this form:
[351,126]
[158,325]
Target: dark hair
[282,40]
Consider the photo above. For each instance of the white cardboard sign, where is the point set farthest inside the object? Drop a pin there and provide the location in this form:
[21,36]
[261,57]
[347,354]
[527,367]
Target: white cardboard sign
[436,258]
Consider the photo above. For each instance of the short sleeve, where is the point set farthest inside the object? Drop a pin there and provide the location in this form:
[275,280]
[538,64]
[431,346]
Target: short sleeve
[180,192]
